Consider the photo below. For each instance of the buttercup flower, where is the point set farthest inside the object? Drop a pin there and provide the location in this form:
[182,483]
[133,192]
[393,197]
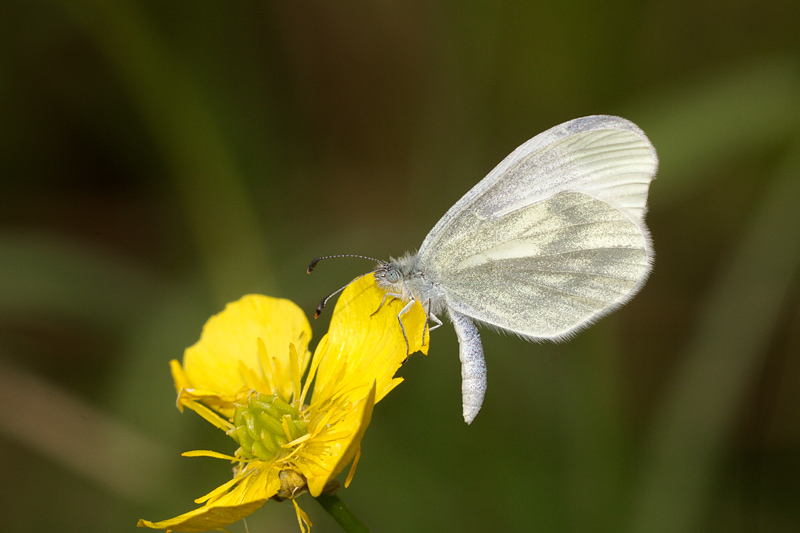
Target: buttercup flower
[244,376]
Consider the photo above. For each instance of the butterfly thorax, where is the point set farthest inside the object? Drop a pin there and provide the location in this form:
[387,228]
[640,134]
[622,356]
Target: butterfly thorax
[403,278]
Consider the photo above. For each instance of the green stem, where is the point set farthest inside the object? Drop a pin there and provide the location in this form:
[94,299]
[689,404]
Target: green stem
[339,511]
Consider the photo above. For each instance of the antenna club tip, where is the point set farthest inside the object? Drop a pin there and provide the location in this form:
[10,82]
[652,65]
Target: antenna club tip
[316,314]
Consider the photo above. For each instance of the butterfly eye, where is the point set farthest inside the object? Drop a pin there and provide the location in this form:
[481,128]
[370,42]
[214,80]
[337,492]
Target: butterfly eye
[392,275]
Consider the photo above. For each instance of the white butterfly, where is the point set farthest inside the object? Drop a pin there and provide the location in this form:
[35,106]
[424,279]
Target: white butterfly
[551,240]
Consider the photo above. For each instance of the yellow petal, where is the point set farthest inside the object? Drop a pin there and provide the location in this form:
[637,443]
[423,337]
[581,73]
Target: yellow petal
[179,377]
[254,488]
[232,336]
[206,518]
[333,455]
[354,446]
[363,346]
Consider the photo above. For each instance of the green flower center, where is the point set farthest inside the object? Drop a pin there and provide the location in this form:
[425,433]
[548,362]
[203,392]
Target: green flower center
[265,424]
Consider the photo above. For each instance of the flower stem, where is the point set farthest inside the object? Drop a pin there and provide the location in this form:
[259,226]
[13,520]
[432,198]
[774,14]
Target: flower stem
[339,511]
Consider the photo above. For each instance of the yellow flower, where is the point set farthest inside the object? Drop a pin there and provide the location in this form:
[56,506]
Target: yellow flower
[244,376]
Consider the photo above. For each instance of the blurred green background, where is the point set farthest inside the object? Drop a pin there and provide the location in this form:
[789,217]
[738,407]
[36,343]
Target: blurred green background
[160,159]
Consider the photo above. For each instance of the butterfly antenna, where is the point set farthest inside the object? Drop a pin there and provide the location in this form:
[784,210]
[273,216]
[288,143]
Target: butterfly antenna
[324,301]
[313,264]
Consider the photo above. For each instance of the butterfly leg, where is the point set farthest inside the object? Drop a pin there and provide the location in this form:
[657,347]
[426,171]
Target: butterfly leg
[403,328]
[429,316]
[383,300]
[473,365]
[399,317]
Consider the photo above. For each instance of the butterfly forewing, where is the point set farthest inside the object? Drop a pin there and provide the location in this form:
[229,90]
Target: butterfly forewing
[607,157]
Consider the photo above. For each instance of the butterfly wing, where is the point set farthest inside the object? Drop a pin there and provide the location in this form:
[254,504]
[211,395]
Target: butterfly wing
[554,236]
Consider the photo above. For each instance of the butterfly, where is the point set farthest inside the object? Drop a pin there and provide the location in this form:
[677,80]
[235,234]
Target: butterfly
[552,239]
